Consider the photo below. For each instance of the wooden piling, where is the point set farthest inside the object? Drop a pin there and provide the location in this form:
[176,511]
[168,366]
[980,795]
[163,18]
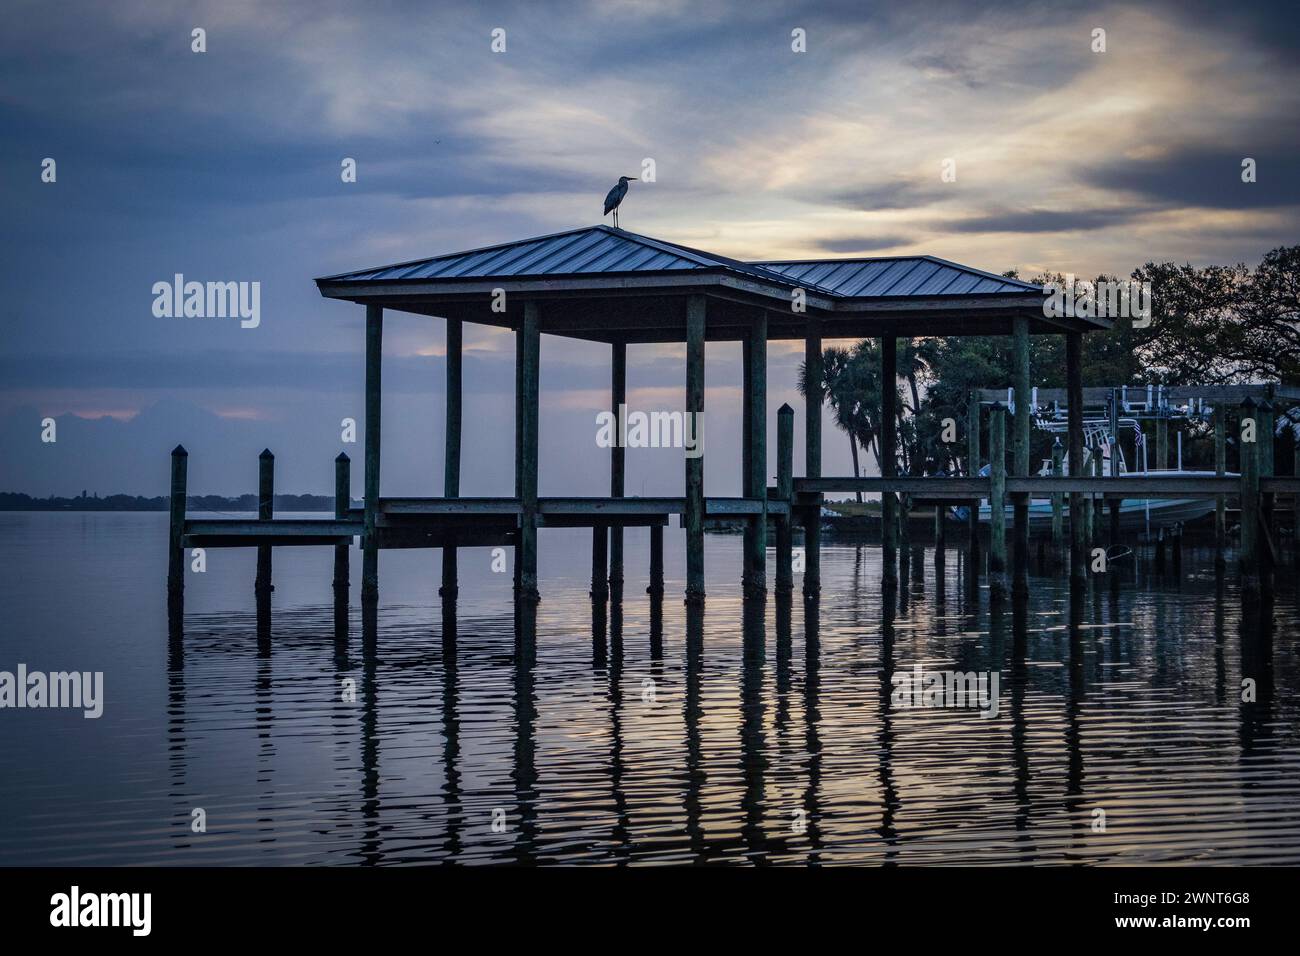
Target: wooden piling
[1058,505]
[1115,503]
[1020,452]
[370,538]
[1074,409]
[785,490]
[656,586]
[451,459]
[813,373]
[755,399]
[528,353]
[599,563]
[617,467]
[265,512]
[1267,535]
[342,505]
[972,471]
[176,538]
[1220,469]
[997,501]
[1248,551]
[695,319]
[888,455]
[1162,440]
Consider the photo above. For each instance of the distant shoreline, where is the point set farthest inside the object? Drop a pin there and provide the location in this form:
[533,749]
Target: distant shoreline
[14,501]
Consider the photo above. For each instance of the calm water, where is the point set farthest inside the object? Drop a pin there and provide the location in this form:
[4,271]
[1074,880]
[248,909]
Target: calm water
[632,748]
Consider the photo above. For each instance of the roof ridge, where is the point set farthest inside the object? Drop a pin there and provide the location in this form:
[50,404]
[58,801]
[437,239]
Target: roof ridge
[859,259]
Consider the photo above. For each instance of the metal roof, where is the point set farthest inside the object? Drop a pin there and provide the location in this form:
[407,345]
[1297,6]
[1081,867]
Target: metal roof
[897,276]
[597,250]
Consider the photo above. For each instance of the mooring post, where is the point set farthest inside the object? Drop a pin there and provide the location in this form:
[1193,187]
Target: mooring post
[756,440]
[695,318]
[1020,453]
[617,466]
[656,587]
[812,535]
[451,458]
[1115,503]
[370,539]
[1295,506]
[888,456]
[265,511]
[1074,410]
[1266,498]
[1058,504]
[1099,501]
[528,353]
[1248,551]
[997,501]
[785,490]
[1162,439]
[939,538]
[1220,469]
[972,471]
[342,505]
[176,539]
[599,563]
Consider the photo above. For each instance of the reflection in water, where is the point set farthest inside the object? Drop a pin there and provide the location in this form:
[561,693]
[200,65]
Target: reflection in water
[744,731]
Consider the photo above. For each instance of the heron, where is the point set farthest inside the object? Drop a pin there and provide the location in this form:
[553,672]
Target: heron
[616,196]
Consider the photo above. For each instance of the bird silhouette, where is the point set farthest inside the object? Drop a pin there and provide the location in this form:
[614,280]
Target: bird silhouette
[615,196]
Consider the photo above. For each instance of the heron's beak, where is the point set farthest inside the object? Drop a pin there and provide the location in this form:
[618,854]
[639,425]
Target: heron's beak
[634,179]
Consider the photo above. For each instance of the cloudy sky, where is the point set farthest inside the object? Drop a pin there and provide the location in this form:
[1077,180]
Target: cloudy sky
[225,165]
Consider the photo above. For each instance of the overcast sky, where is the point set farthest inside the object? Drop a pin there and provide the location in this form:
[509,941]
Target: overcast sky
[225,165]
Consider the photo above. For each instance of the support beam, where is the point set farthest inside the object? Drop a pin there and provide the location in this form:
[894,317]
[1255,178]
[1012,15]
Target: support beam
[342,505]
[656,587]
[451,460]
[599,563]
[813,374]
[617,467]
[755,399]
[784,489]
[527,357]
[1074,408]
[997,501]
[370,540]
[1267,534]
[888,455]
[1020,452]
[695,319]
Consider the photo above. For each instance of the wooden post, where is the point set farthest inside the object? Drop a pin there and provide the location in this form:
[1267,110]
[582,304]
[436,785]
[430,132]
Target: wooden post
[656,588]
[940,537]
[812,575]
[370,540]
[972,471]
[1074,408]
[785,489]
[265,511]
[599,563]
[1162,440]
[756,440]
[527,356]
[176,539]
[997,501]
[617,467]
[888,455]
[342,505]
[695,318]
[1098,502]
[1115,503]
[451,460]
[1249,546]
[1220,469]
[1266,498]
[1058,504]
[1020,452]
